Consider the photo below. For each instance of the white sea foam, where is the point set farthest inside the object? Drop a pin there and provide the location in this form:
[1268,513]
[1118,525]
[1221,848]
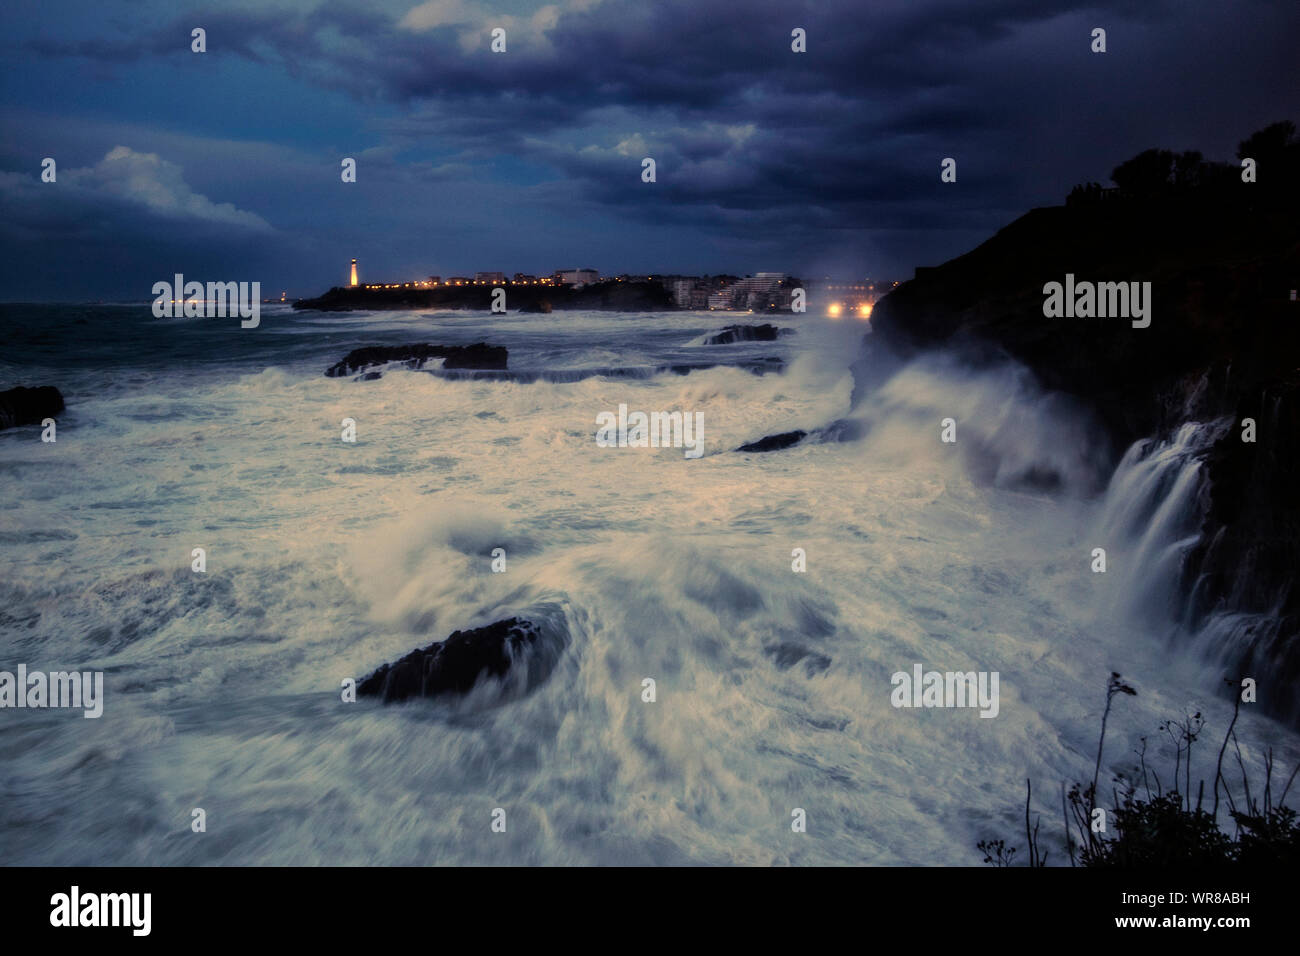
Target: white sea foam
[326,559]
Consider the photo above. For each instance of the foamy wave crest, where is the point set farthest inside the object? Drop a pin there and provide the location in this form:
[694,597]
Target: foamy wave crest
[1009,431]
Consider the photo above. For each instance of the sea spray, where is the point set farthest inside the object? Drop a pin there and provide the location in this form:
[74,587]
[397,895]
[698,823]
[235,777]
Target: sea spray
[772,685]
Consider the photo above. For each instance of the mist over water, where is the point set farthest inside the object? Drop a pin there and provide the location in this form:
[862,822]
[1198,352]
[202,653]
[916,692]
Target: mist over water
[327,559]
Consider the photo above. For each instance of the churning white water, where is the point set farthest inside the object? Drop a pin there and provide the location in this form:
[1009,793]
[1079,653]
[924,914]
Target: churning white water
[326,559]
[1152,507]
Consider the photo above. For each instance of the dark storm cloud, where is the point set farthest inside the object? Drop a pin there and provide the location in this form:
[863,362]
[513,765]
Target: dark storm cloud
[756,145]
[682,56]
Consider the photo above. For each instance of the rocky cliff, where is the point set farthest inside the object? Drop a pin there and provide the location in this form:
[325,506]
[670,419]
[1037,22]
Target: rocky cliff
[1223,344]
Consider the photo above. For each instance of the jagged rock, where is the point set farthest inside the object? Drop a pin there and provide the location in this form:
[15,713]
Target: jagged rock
[1220,282]
[745,333]
[477,356]
[1249,548]
[1222,345]
[29,406]
[775,442]
[455,665]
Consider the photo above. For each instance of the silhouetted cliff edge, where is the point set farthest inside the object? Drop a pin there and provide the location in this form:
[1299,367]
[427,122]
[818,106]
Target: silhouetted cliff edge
[1222,257]
[1221,326]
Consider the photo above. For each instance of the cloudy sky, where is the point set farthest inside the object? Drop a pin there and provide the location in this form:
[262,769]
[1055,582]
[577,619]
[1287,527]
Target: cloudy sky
[225,165]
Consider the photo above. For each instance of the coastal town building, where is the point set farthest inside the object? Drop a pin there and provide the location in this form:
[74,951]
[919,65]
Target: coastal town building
[578,277]
[753,292]
[760,292]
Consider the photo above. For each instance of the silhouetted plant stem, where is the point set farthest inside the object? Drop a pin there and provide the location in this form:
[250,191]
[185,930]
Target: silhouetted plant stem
[1218,770]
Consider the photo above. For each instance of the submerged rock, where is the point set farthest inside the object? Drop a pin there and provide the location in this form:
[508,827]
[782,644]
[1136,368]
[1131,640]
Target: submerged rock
[745,333]
[786,654]
[775,442]
[29,406]
[517,651]
[480,355]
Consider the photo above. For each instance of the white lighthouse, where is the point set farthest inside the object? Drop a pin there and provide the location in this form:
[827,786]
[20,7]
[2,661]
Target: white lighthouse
[353,281]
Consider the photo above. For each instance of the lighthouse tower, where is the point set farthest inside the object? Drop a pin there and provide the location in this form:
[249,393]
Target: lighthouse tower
[354,274]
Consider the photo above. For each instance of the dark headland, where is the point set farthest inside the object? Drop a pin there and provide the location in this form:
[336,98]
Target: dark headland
[1222,256]
[611,296]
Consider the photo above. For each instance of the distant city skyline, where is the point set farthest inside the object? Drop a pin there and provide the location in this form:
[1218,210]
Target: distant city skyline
[762,291]
[355,267]
[231,163]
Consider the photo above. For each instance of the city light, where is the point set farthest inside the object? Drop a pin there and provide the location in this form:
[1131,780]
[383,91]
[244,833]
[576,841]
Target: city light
[763,293]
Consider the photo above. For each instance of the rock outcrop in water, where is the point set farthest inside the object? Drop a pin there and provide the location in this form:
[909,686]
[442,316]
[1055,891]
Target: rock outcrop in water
[840,430]
[774,442]
[477,356]
[455,665]
[29,406]
[745,333]
[1223,259]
